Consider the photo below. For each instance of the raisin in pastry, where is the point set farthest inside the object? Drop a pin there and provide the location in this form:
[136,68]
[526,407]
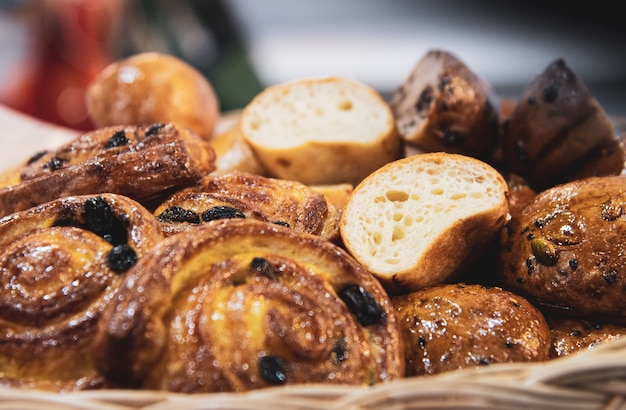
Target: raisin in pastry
[244,195]
[60,264]
[136,161]
[244,304]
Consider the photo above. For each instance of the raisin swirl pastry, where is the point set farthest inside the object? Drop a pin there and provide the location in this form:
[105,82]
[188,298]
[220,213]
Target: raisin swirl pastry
[136,161]
[244,195]
[245,304]
[60,264]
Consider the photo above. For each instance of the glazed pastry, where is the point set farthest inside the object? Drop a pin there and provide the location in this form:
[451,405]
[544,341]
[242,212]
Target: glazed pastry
[244,304]
[138,162]
[443,105]
[558,132]
[565,251]
[571,336]
[60,264]
[456,326]
[245,195]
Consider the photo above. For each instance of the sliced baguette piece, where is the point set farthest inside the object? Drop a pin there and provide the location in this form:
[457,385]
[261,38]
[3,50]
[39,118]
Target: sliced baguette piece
[318,131]
[422,220]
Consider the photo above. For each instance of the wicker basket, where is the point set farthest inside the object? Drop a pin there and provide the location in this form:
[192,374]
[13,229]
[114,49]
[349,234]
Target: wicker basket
[594,379]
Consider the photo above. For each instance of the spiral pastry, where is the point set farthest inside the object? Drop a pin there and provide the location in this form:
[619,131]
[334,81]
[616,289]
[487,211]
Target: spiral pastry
[243,304]
[60,264]
[136,161]
[244,195]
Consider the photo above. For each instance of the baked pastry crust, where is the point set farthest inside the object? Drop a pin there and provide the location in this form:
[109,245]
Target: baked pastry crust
[245,195]
[244,304]
[60,264]
[136,161]
[564,251]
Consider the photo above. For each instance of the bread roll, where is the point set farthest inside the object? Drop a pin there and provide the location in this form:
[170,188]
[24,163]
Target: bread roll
[60,264]
[455,326]
[152,87]
[558,132]
[565,250]
[444,106]
[244,304]
[321,130]
[421,220]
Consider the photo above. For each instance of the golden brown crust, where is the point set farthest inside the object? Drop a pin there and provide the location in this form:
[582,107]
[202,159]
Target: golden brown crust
[454,326]
[558,132]
[244,304]
[151,87]
[60,264]
[571,336]
[138,162]
[280,201]
[564,251]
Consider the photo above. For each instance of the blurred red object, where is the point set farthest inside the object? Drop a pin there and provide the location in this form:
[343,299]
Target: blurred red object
[71,42]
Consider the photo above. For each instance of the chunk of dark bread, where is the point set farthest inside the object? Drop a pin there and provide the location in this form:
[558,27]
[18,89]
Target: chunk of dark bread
[425,219]
[570,335]
[444,106]
[245,195]
[565,250]
[136,161]
[455,326]
[559,132]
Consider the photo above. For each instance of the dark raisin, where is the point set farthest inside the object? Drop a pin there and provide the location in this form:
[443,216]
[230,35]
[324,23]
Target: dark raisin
[35,157]
[361,304]
[121,258]
[99,219]
[573,263]
[424,100]
[272,369]
[282,223]
[117,140]
[178,214]
[483,362]
[263,267]
[445,81]
[421,341]
[575,333]
[153,129]
[221,212]
[551,92]
[454,138]
[530,265]
[610,276]
[531,100]
[54,164]
[339,352]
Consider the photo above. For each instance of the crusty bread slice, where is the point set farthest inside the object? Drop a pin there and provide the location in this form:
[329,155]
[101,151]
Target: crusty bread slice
[319,131]
[417,221]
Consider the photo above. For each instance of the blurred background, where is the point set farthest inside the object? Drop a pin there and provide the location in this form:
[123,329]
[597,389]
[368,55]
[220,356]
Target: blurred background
[51,49]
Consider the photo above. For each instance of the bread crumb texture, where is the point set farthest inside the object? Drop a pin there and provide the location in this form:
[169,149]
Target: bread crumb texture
[399,211]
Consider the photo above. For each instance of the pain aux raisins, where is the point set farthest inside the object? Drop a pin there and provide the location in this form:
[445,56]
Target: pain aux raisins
[361,304]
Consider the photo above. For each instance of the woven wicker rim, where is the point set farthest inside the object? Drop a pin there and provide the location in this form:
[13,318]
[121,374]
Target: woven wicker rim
[594,379]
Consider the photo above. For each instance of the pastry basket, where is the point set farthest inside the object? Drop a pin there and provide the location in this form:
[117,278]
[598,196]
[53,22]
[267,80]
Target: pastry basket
[592,379]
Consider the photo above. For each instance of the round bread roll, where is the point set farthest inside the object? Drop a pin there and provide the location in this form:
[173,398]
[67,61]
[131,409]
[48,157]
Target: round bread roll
[571,335]
[321,130]
[444,106]
[425,219]
[152,87]
[455,326]
[565,250]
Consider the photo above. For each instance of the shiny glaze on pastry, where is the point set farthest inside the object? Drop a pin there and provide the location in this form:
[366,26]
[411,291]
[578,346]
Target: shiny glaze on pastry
[244,195]
[245,304]
[60,264]
[139,162]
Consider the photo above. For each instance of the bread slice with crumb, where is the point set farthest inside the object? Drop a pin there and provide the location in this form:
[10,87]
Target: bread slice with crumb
[420,220]
[318,131]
